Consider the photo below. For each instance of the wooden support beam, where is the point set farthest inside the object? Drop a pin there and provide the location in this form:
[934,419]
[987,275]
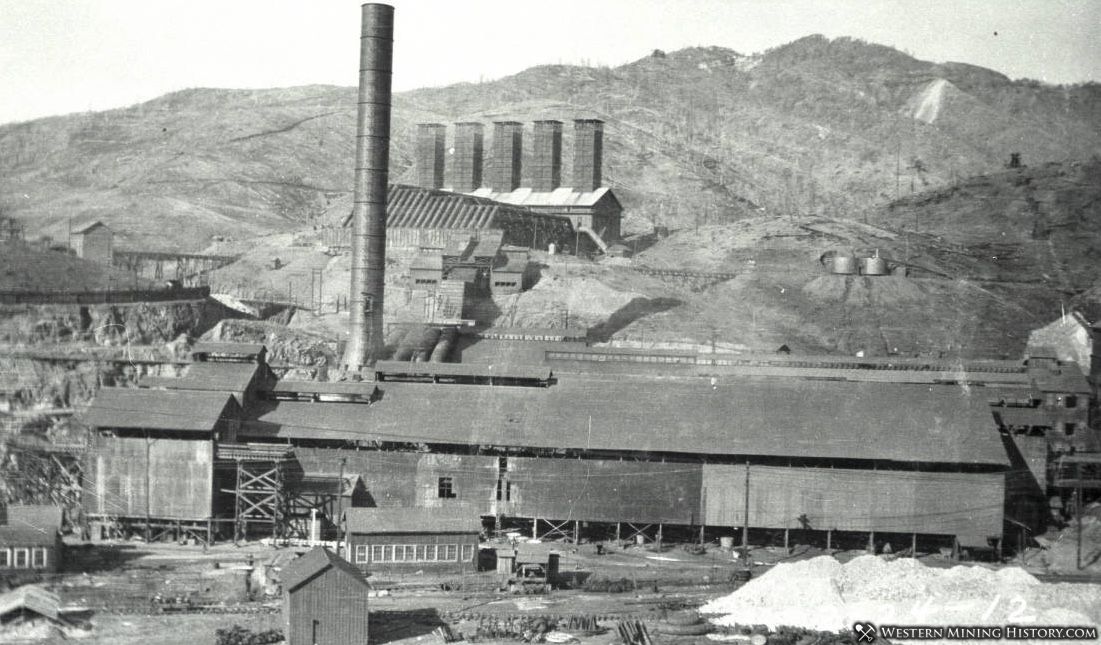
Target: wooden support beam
[913,546]
[829,539]
[577,532]
[786,540]
[871,542]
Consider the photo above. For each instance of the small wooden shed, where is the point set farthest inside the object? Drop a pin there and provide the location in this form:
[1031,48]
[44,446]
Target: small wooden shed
[325,601]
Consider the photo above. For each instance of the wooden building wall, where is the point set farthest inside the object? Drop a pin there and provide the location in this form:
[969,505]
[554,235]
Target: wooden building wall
[94,245]
[181,475]
[337,603]
[604,491]
[396,479]
[966,505]
[456,565]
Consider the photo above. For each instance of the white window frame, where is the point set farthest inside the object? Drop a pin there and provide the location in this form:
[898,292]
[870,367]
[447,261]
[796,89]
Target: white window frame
[5,558]
[451,552]
[38,554]
[361,553]
[26,553]
[467,552]
[376,553]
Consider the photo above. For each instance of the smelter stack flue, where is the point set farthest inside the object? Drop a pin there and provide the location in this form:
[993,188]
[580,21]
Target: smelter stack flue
[371,177]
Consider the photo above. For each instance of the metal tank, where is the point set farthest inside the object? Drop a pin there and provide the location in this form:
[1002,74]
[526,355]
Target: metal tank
[874,266]
[844,264]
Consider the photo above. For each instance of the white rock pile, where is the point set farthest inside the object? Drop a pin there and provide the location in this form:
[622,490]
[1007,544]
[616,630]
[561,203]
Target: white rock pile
[822,594]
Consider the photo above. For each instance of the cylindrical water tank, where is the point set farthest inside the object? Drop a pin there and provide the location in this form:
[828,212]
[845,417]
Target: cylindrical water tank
[874,266]
[844,264]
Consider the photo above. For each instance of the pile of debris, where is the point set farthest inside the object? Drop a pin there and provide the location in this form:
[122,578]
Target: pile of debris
[824,595]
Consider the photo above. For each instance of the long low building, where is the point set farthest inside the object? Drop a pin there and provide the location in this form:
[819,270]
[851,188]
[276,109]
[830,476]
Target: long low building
[873,457]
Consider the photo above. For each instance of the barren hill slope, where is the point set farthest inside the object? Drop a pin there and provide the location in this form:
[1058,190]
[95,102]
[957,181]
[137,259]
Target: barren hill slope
[698,136]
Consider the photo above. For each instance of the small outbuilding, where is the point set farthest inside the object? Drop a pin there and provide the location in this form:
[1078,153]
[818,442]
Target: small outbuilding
[30,540]
[94,241]
[325,601]
[392,540]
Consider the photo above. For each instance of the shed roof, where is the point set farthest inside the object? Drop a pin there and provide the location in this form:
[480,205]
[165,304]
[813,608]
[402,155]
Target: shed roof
[118,407]
[457,519]
[31,598]
[228,348]
[427,262]
[559,197]
[305,568]
[733,416]
[84,227]
[44,517]
[209,376]
[463,369]
[26,536]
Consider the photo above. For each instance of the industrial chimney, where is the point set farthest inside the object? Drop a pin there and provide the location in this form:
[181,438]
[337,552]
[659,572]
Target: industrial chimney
[547,156]
[508,149]
[428,156]
[467,175]
[588,153]
[371,177]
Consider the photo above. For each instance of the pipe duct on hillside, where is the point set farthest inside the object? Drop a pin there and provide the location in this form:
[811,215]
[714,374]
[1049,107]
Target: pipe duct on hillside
[371,177]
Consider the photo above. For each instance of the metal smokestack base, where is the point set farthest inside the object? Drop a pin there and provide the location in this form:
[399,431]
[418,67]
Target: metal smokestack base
[371,178]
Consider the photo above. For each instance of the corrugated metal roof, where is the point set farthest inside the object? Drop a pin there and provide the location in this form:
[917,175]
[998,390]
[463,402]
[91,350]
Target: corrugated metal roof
[733,416]
[564,197]
[299,571]
[458,519]
[117,407]
[417,207]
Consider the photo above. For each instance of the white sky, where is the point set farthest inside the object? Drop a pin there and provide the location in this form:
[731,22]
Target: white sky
[60,56]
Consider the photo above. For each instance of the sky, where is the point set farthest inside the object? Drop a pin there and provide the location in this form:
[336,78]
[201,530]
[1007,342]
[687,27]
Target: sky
[62,56]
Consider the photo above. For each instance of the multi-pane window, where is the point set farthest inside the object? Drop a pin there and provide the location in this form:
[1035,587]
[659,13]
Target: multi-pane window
[446,488]
[414,552]
[38,558]
[5,558]
[22,558]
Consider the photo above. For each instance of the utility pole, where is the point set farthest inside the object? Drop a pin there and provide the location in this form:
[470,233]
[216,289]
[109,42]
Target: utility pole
[745,526]
[148,481]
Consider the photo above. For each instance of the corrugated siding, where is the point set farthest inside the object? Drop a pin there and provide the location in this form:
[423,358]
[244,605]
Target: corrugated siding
[608,491]
[337,604]
[963,504]
[181,475]
[395,479]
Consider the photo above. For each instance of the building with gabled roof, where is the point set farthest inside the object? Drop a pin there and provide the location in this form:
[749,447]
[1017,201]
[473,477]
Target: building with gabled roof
[30,540]
[93,241]
[441,538]
[325,600]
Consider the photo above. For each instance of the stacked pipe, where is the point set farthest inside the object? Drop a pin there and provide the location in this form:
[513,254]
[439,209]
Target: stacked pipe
[371,178]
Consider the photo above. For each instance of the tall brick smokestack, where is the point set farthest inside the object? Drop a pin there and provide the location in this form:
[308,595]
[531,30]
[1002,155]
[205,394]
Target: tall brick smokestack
[467,167]
[376,51]
[429,153]
[547,156]
[508,150]
[588,154]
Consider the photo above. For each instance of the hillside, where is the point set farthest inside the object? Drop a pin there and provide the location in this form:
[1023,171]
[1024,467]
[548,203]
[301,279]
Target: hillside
[23,268]
[696,137]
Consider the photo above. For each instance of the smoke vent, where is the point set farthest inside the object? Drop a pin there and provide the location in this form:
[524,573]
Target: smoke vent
[468,157]
[428,156]
[588,152]
[508,148]
[547,156]
[371,177]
